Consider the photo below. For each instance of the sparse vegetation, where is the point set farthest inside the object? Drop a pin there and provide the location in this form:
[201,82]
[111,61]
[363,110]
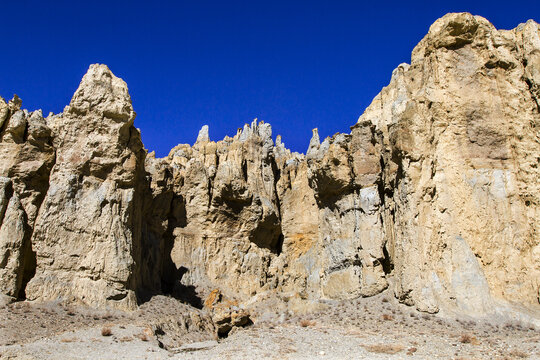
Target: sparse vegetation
[411,350]
[68,340]
[306,323]
[142,337]
[332,327]
[518,354]
[384,348]
[106,331]
[468,339]
[146,334]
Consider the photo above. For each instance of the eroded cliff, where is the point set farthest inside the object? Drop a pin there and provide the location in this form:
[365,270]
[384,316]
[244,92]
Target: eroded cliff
[435,193]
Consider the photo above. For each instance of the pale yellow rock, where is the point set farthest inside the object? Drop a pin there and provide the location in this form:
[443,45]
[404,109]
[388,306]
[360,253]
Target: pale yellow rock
[87,233]
[461,125]
[24,169]
[4,111]
[14,240]
[434,193]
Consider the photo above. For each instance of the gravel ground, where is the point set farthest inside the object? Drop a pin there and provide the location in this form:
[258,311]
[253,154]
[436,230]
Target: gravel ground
[372,328]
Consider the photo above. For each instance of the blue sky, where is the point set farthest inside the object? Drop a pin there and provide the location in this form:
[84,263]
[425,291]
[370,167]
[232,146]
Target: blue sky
[295,64]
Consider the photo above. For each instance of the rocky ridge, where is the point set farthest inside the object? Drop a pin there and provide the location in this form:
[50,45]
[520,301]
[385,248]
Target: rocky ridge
[434,193]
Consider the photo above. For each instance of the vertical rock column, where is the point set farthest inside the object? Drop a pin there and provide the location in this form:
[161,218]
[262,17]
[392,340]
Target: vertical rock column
[461,167]
[26,159]
[87,233]
[344,172]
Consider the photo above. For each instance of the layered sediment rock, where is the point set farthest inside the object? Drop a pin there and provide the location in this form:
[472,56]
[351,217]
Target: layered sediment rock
[434,193]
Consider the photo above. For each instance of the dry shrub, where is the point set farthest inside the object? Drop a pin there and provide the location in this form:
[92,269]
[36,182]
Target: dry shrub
[68,340]
[142,337]
[384,300]
[518,354]
[384,348]
[106,331]
[387,317]
[287,350]
[306,323]
[146,334]
[125,339]
[468,339]
[411,351]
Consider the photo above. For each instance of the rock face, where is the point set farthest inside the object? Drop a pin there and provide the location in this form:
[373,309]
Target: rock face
[461,139]
[434,193]
[86,234]
[26,159]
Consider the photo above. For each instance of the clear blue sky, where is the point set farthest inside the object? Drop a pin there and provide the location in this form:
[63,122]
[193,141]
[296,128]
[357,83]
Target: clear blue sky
[295,64]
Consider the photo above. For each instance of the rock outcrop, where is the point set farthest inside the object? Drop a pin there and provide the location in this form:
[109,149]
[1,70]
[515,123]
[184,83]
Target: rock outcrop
[434,193]
[460,131]
[80,214]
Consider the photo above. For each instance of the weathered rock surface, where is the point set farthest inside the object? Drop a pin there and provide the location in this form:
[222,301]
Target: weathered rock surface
[434,193]
[461,153]
[15,248]
[87,234]
[226,313]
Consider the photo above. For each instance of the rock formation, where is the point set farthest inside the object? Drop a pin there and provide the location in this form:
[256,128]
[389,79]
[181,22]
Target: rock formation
[434,193]
[460,130]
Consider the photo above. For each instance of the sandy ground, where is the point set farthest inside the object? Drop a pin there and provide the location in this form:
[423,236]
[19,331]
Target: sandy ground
[372,328]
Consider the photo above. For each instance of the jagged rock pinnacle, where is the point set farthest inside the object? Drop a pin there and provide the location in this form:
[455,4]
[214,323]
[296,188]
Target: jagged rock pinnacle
[314,143]
[203,135]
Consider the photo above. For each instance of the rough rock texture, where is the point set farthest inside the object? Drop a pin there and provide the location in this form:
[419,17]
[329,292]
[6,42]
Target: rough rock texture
[226,313]
[15,249]
[461,153]
[26,159]
[434,193]
[86,236]
[229,226]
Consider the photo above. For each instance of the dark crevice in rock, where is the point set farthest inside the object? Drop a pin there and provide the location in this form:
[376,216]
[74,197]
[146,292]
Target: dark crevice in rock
[268,234]
[117,297]
[386,262]
[5,124]
[26,130]
[30,257]
[356,261]
[277,175]
[8,195]
[171,275]
[174,287]
[224,330]
[244,170]
[234,205]
[29,260]
[279,245]
[211,183]
[532,91]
